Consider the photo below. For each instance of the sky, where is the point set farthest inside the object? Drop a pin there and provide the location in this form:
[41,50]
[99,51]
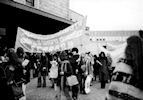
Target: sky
[110,14]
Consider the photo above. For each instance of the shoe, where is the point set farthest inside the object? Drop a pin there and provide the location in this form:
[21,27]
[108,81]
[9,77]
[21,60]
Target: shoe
[74,98]
[38,86]
[52,86]
[44,86]
[102,87]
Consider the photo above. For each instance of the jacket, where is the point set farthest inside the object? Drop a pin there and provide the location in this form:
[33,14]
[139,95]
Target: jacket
[122,86]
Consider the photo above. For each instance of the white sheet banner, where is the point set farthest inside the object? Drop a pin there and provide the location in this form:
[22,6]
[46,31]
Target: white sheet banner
[62,40]
[116,54]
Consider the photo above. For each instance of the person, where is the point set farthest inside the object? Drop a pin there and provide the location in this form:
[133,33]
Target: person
[14,73]
[95,67]
[21,57]
[88,72]
[103,70]
[127,78]
[74,63]
[42,70]
[64,70]
[109,65]
[32,59]
[26,65]
[5,89]
[38,65]
[82,70]
[53,74]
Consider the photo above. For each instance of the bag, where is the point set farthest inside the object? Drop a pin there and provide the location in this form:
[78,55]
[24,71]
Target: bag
[44,68]
[17,90]
[87,84]
[25,62]
[72,80]
[53,72]
[83,68]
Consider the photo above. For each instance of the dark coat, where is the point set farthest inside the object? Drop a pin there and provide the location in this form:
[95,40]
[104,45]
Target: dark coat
[15,62]
[5,90]
[74,63]
[42,64]
[103,70]
[67,69]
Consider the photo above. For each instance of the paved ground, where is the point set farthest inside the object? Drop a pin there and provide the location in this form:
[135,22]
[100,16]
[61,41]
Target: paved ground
[34,93]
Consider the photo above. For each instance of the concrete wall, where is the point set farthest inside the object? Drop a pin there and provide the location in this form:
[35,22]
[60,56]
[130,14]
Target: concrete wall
[56,7]
[74,16]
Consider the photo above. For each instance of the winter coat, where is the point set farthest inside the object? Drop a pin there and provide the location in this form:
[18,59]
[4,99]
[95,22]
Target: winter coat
[122,86]
[103,69]
[5,90]
[67,70]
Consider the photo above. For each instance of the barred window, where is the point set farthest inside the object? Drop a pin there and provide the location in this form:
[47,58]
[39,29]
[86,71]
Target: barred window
[30,2]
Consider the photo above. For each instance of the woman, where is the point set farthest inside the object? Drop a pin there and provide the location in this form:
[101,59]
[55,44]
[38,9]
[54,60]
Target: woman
[103,70]
[23,67]
[127,79]
[5,89]
[53,74]
[14,73]
[64,70]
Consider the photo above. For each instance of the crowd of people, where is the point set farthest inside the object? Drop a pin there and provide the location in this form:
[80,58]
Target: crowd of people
[72,72]
[20,67]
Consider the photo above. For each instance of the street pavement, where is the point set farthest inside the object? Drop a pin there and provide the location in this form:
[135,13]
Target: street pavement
[48,93]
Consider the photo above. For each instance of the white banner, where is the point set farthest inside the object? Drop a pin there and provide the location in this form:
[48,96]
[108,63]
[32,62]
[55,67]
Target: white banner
[116,53]
[59,41]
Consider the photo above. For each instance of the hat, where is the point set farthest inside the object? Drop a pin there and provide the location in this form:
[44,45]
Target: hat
[75,49]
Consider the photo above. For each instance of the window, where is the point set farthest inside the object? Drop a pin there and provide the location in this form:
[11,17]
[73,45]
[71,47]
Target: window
[30,2]
[2,31]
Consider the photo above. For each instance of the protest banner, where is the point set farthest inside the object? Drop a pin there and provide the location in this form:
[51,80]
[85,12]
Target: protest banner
[61,40]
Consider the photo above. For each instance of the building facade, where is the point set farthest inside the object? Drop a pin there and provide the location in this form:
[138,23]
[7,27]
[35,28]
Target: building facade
[107,36]
[57,7]
[37,16]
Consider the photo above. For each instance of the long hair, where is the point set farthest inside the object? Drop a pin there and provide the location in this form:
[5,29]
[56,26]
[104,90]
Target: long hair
[102,55]
[20,52]
[13,58]
[134,57]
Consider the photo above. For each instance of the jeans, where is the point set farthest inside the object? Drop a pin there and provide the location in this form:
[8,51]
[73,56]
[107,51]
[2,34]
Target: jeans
[75,90]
